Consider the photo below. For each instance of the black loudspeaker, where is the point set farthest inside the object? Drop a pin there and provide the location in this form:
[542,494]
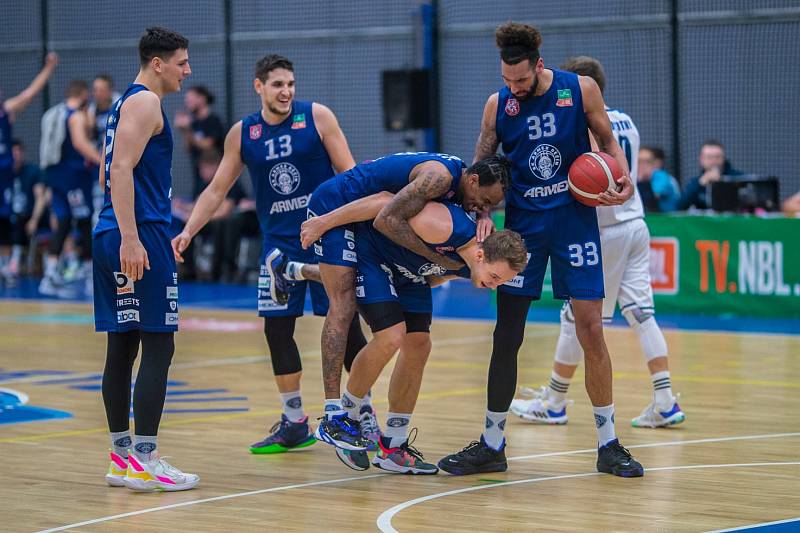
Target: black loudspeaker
[407,99]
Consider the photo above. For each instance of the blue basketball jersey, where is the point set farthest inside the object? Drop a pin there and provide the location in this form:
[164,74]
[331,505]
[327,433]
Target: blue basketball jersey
[71,171]
[287,162]
[408,263]
[390,173]
[152,175]
[6,164]
[542,136]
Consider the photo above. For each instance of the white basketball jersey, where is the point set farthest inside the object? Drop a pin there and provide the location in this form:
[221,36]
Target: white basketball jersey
[628,138]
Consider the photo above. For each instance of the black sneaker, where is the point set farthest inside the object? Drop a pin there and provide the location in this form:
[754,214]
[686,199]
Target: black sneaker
[613,458]
[275,263]
[357,460]
[476,458]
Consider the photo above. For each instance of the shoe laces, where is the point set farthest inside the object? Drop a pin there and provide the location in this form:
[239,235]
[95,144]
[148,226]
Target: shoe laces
[369,424]
[410,450]
[168,468]
[279,427]
[531,392]
[351,427]
[619,449]
[471,448]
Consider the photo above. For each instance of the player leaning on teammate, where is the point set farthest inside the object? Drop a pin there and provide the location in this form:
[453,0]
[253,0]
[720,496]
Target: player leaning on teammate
[542,118]
[135,280]
[290,147]
[625,245]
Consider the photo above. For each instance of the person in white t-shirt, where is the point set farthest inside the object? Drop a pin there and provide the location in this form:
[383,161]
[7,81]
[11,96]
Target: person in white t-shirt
[625,245]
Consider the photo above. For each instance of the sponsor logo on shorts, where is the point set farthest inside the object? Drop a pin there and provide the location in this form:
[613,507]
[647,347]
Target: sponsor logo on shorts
[128,315]
[349,255]
[172,293]
[349,235]
[263,282]
[174,278]
[124,283]
[263,294]
[122,302]
[170,319]
[360,291]
[173,305]
[351,245]
[517,282]
[318,249]
[269,305]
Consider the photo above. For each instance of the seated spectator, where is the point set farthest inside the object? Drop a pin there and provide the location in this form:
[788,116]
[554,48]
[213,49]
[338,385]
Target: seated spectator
[659,190]
[212,236]
[713,166]
[791,207]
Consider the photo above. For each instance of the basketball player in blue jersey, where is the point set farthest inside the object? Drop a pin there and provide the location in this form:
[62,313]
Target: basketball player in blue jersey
[415,178]
[542,119]
[290,147]
[625,243]
[393,294]
[71,181]
[9,108]
[135,280]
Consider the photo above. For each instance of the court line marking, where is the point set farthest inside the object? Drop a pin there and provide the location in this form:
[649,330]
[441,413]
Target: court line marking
[205,500]
[752,526]
[342,480]
[384,521]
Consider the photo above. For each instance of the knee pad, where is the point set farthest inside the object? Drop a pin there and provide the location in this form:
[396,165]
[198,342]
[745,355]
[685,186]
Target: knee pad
[650,337]
[283,350]
[568,349]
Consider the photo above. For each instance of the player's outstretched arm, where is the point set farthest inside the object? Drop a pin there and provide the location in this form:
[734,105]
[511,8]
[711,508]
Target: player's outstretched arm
[140,119]
[214,194]
[487,139]
[333,138]
[429,180]
[600,127]
[18,103]
[359,210]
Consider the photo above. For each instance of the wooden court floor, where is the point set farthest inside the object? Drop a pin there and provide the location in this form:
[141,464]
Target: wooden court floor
[735,461]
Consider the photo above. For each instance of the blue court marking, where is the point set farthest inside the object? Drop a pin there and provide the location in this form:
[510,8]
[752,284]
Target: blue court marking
[66,381]
[99,386]
[8,376]
[14,411]
[210,399]
[458,300]
[216,410]
[194,391]
[791,525]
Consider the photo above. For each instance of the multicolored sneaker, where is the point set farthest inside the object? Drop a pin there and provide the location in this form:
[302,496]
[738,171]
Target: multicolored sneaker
[540,409]
[404,459]
[342,432]
[614,458]
[369,427]
[651,417]
[476,458]
[157,475]
[278,285]
[116,470]
[284,436]
[357,460]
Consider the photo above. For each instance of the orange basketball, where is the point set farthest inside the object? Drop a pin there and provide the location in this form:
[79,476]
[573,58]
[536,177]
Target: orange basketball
[592,173]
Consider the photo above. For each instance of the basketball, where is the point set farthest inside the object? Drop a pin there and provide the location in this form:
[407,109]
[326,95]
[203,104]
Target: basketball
[592,173]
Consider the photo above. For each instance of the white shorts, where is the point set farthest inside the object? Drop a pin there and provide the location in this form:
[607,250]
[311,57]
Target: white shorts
[626,266]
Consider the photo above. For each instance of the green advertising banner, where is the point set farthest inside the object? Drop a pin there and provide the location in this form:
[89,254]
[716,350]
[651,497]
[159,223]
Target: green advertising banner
[742,265]
[720,265]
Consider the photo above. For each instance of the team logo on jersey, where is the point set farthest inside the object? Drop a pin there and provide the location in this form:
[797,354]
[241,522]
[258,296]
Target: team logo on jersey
[299,121]
[544,162]
[255,132]
[512,107]
[284,178]
[564,98]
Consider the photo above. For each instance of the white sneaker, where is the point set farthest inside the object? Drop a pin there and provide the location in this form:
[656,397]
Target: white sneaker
[540,409]
[157,475]
[49,286]
[652,417]
[116,470]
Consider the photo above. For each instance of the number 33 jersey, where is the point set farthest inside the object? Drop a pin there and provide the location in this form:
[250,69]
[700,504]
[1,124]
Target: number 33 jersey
[287,162]
[542,135]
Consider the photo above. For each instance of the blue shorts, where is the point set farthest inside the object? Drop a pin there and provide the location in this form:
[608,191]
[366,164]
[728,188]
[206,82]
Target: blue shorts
[570,238]
[150,304]
[337,246]
[297,291]
[74,203]
[377,280]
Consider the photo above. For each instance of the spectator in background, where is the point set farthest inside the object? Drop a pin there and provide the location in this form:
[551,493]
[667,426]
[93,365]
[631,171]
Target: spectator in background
[660,191]
[202,130]
[8,109]
[791,207]
[29,206]
[713,166]
[209,258]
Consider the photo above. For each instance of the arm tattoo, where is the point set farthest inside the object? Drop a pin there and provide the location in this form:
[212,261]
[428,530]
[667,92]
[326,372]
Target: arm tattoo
[407,203]
[487,143]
